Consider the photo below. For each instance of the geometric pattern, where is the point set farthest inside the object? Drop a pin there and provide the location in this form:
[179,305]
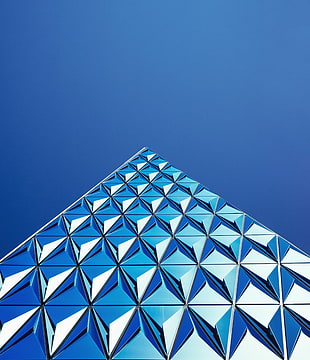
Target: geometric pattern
[152,265]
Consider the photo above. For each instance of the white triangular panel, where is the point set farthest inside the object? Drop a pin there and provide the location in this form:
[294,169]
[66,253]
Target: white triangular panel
[11,281]
[255,229]
[254,257]
[99,282]
[252,295]
[295,256]
[77,222]
[261,313]
[87,247]
[117,327]
[262,270]
[302,269]
[250,348]
[49,248]
[302,348]
[298,295]
[55,282]
[143,281]
[64,327]
[98,203]
[11,327]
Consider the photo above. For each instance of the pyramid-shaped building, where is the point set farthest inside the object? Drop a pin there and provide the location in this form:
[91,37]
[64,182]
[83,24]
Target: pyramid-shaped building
[151,265]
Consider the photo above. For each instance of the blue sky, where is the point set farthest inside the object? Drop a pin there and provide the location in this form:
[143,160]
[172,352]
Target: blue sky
[218,88]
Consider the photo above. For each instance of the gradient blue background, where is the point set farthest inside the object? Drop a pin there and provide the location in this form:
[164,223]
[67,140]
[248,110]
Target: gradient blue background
[218,88]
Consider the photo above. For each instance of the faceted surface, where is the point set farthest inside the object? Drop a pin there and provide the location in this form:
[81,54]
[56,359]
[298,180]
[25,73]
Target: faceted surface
[152,265]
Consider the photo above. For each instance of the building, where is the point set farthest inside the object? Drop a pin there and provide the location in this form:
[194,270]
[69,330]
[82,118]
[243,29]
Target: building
[151,265]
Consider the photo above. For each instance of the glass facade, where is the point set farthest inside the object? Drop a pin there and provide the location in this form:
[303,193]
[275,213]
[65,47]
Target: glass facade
[152,265]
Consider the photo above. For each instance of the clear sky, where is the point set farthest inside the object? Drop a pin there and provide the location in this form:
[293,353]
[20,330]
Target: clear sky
[220,89]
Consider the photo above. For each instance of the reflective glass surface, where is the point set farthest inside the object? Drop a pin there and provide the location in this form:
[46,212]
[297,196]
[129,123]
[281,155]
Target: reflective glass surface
[152,265]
